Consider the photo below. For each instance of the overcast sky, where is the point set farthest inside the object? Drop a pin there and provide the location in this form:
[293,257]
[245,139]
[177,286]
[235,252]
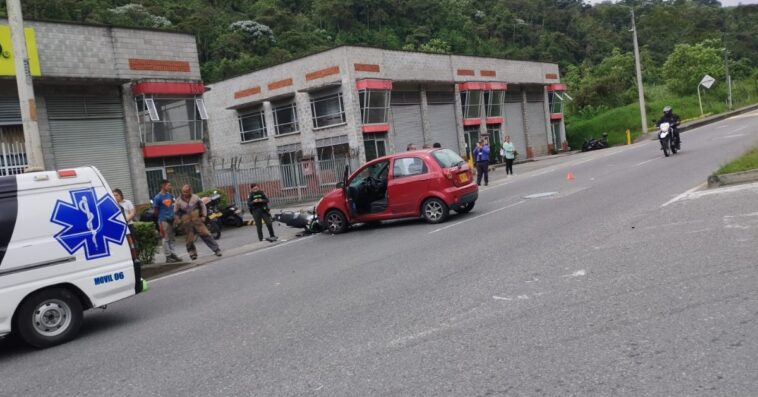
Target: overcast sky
[725,3]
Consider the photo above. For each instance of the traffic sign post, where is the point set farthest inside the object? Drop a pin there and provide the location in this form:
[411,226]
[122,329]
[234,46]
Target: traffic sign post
[706,82]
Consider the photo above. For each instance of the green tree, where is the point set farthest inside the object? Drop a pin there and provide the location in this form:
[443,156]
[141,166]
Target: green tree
[687,65]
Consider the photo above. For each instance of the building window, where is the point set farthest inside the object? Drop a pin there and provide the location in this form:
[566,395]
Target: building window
[285,119]
[472,104]
[165,119]
[496,142]
[493,101]
[327,110]
[252,125]
[556,102]
[374,106]
[470,136]
[375,147]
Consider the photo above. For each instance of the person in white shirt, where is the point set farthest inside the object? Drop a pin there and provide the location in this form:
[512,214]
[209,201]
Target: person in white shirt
[126,206]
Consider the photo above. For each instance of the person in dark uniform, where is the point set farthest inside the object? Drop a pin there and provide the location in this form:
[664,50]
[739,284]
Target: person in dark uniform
[257,202]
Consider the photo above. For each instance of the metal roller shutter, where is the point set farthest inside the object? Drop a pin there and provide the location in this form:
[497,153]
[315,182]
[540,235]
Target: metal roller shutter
[514,126]
[407,126]
[535,119]
[10,110]
[441,107]
[91,131]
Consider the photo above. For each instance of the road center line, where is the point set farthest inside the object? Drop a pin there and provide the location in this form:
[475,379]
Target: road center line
[478,216]
[645,162]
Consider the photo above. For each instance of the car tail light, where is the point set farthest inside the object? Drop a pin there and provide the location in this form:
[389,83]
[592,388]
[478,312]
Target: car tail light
[447,173]
[66,173]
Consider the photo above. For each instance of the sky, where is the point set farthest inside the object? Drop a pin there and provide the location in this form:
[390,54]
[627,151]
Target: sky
[725,3]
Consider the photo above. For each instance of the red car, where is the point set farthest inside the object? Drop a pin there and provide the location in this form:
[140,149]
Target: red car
[427,183]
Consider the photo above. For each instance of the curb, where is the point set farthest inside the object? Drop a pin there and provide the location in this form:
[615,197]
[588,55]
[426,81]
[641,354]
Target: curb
[734,178]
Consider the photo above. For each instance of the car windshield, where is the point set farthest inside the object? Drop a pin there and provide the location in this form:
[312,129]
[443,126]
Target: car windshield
[447,158]
[377,171]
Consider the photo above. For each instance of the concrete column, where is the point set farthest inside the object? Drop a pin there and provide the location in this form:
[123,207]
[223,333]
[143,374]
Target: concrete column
[134,146]
[425,122]
[32,141]
[268,116]
[551,145]
[46,139]
[459,121]
[529,149]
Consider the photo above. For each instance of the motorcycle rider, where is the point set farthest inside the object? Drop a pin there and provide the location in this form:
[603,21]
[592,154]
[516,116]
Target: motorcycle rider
[673,119]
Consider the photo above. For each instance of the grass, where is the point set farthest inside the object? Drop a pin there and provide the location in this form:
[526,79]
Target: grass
[616,121]
[746,162]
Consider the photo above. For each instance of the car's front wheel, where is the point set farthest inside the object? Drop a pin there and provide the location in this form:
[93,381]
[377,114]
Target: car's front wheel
[336,222]
[49,317]
[434,210]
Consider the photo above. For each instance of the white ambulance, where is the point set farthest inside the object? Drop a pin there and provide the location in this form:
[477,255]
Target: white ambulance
[64,248]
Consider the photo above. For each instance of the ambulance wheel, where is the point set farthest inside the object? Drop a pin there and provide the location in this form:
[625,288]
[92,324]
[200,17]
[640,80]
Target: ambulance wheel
[49,317]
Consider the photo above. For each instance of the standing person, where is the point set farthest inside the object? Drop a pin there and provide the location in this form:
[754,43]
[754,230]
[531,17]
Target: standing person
[126,206]
[482,158]
[191,212]
[509,152]
[258,204]
[410,147]
[163,205]
[436,145]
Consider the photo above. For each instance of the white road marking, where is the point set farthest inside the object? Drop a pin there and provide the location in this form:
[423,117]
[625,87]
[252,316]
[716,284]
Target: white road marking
[646,161]
[731,136]
[172,275]
[501,298]
[683,195]
[578,273]
[478,216]
[692,194]
[722,126]
[277,246]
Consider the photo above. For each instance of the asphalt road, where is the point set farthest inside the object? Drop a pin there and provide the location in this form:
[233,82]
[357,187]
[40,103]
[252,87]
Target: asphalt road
[618,282]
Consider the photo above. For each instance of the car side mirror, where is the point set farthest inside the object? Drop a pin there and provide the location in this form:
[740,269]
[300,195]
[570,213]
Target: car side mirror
[340,185]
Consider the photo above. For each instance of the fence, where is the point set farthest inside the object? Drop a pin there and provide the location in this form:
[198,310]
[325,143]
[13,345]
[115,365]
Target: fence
[12,158]
[283,184]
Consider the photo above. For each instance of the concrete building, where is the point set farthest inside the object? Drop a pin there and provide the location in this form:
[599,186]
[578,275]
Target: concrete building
[128,101]
[363,102]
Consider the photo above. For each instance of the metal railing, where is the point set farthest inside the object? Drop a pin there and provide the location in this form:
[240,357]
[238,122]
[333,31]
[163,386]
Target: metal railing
[12,159]
[283,184]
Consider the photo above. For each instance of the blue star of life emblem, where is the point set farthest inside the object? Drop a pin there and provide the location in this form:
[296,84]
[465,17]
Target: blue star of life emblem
[89,223]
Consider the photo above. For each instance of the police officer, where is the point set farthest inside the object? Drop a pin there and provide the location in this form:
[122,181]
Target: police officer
[670,117]
[257,202]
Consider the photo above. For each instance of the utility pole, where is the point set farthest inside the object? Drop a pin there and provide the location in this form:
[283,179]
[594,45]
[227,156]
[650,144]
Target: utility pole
[32,141]
[640,89]
[728,77]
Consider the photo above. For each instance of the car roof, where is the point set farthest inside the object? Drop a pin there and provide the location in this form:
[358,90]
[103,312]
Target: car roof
[404,154]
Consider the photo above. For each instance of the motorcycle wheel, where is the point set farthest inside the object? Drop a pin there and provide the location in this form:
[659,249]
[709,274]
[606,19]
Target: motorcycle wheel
[673,148]
[666,148]
[235,221]
[214,229]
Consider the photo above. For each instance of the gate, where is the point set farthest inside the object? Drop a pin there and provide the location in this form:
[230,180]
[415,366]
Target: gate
[12,159]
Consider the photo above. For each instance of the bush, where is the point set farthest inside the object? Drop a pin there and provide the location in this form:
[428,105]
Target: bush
[146,241]
[223,201]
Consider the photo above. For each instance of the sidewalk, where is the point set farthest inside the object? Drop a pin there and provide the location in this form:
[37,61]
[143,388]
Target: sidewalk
[234,241]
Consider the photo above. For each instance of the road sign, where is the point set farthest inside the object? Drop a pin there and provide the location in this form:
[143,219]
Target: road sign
[707,81]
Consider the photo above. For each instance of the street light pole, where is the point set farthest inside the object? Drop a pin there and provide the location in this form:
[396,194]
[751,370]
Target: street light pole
[728,78]
[638,68]
[32,141]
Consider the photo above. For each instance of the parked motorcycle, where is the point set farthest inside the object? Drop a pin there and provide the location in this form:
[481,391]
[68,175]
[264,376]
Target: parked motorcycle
[666,138]
[227,216]
[595,144]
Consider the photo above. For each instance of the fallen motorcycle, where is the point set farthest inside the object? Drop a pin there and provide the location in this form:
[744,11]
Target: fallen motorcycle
[306,220]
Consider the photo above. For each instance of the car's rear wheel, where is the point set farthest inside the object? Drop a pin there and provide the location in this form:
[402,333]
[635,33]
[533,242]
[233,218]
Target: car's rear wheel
[49,317]
[466,208]
[336,222]
[434,210]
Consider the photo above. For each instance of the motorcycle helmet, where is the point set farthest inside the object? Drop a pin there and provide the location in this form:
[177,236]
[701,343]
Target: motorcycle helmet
[667,110]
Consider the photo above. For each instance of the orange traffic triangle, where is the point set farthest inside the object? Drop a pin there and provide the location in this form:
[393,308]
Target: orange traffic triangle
[570,176]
